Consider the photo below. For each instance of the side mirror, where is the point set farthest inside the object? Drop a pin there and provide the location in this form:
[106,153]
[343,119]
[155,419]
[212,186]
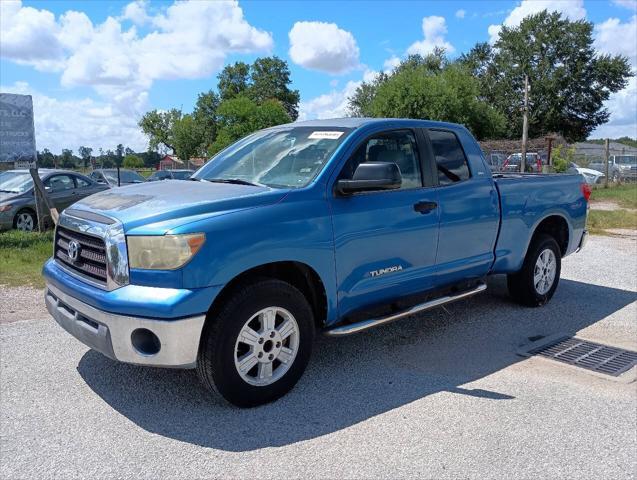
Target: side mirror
[371,176]
[101,180]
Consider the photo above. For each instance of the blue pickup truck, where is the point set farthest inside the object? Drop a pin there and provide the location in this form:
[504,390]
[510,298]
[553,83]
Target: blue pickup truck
[332,226]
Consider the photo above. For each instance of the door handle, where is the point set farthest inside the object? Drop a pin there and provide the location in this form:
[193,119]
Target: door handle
[425,207]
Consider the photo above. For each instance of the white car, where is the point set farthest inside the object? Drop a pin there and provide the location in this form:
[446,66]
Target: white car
[590,176]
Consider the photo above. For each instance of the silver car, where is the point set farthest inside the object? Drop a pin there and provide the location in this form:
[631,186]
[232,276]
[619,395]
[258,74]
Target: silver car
[17,201]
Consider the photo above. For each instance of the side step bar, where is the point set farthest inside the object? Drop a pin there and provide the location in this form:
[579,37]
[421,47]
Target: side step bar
[351,328]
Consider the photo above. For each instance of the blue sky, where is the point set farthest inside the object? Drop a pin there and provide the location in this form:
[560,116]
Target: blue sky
[95,67]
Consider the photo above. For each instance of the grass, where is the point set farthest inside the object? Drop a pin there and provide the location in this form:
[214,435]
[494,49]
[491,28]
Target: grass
[22,255]
[599,221]
[623,195]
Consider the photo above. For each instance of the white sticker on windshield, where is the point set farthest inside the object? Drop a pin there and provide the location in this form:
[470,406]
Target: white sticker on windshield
[327,135]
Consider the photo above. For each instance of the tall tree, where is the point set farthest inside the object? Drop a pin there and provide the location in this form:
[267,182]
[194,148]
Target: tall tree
[187,137]
[205,115]
[569,80]
[429,87]
[233,80]
[241,116]
[158,126]
[270,80]
[85,155]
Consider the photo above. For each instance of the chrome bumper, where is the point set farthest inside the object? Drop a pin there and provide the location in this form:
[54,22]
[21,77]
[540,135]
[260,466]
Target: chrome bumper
[143,341]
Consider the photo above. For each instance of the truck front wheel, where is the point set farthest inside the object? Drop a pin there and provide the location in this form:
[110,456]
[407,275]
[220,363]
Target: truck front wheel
[258,345]
[535,283]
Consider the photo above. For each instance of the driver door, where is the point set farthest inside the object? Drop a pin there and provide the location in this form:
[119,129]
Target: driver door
[385,241]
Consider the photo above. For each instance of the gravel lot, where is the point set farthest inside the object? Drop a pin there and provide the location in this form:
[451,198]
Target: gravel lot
[439,396]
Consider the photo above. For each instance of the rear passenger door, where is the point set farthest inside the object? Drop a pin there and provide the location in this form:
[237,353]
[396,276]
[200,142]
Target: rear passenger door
[385,241]
[469,211]
[61,188]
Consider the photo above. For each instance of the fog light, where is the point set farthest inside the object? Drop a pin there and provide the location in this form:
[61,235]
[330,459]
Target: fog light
[145,341]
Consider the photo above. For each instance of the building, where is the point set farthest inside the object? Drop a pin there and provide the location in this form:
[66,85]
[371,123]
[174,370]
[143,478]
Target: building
[172,162]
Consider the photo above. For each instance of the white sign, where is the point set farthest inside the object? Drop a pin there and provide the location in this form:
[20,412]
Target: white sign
[325,135]
[17,135]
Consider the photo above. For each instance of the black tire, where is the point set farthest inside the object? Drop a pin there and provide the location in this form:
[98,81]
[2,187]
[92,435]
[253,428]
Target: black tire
[216,359]
[521,284]
[29,213]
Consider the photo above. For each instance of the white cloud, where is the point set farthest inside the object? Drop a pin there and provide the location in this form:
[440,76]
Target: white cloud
[630,4]
[434,29]
[136,12]
[188,40]
[71,123]
[617,38]
[323,46]
[391,63]
[329,105]
[461,13]
[572,9]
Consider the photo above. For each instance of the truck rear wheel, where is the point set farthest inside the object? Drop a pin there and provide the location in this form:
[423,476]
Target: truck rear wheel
[536,282]
[258,345]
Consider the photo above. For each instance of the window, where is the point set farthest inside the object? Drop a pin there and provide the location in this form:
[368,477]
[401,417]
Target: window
[450,160]
[81,183]
[58,183]
[397,147]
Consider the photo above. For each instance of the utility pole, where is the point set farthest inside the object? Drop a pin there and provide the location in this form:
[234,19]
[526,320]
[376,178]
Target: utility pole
[525,123]
[606,155]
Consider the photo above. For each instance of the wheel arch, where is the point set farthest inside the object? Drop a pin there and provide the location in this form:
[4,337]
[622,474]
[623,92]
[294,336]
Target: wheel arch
[299,274]
[555,225]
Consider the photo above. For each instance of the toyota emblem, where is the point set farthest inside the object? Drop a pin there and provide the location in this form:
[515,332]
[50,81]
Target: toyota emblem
[73,250]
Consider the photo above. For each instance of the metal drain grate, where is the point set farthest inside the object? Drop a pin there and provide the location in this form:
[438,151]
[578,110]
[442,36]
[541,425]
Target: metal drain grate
[589,355]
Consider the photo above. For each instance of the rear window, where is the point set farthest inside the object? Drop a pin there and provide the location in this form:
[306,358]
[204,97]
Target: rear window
[450,159]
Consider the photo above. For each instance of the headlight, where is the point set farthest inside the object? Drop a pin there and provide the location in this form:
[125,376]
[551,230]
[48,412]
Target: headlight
[5,208]
[163,252]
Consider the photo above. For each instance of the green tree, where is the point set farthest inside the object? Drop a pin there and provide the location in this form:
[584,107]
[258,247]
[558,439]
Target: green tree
[187,137]
[205,115]
[569,80]
[241,116]
[562,159]
[132,161]
[233,80]
[429,87]
[85,155]
[270,80]
[158,126]
[46,159]
[66,159]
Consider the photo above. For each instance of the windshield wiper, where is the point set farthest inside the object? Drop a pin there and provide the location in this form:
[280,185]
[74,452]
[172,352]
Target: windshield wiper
[234,181]
[9,191]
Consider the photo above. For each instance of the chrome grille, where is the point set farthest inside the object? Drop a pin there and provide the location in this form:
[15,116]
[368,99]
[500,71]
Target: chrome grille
[91,261]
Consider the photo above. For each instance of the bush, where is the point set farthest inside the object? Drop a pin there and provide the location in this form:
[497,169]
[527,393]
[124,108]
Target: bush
[133,161]
[562,159]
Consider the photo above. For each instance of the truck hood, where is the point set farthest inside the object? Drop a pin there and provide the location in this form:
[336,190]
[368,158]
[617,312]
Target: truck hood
[175,202]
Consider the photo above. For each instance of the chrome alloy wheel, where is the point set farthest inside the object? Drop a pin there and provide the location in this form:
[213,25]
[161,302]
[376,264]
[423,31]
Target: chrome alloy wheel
[24,222]
[544,271]
[267,346]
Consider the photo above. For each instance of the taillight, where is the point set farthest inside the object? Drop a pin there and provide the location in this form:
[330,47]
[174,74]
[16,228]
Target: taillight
[586,191]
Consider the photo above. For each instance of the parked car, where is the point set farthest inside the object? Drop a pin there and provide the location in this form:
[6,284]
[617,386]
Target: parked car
[620,167]
[108,176]
[495,161]
[170,175]
[533,163]
[17,201]
[329,225]
[591,176]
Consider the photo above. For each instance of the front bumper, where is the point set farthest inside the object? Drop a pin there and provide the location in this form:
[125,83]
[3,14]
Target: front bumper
[138,340]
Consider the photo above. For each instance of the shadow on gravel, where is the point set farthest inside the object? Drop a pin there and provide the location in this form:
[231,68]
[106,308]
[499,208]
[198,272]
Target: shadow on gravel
[352,379]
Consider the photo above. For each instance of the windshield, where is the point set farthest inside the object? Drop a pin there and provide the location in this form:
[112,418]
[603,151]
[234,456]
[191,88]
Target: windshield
[126,176]
[15,182]
[282,158]
[182,175]
[626,159]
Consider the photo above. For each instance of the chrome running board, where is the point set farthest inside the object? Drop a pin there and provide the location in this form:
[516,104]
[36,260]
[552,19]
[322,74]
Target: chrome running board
[351,328]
